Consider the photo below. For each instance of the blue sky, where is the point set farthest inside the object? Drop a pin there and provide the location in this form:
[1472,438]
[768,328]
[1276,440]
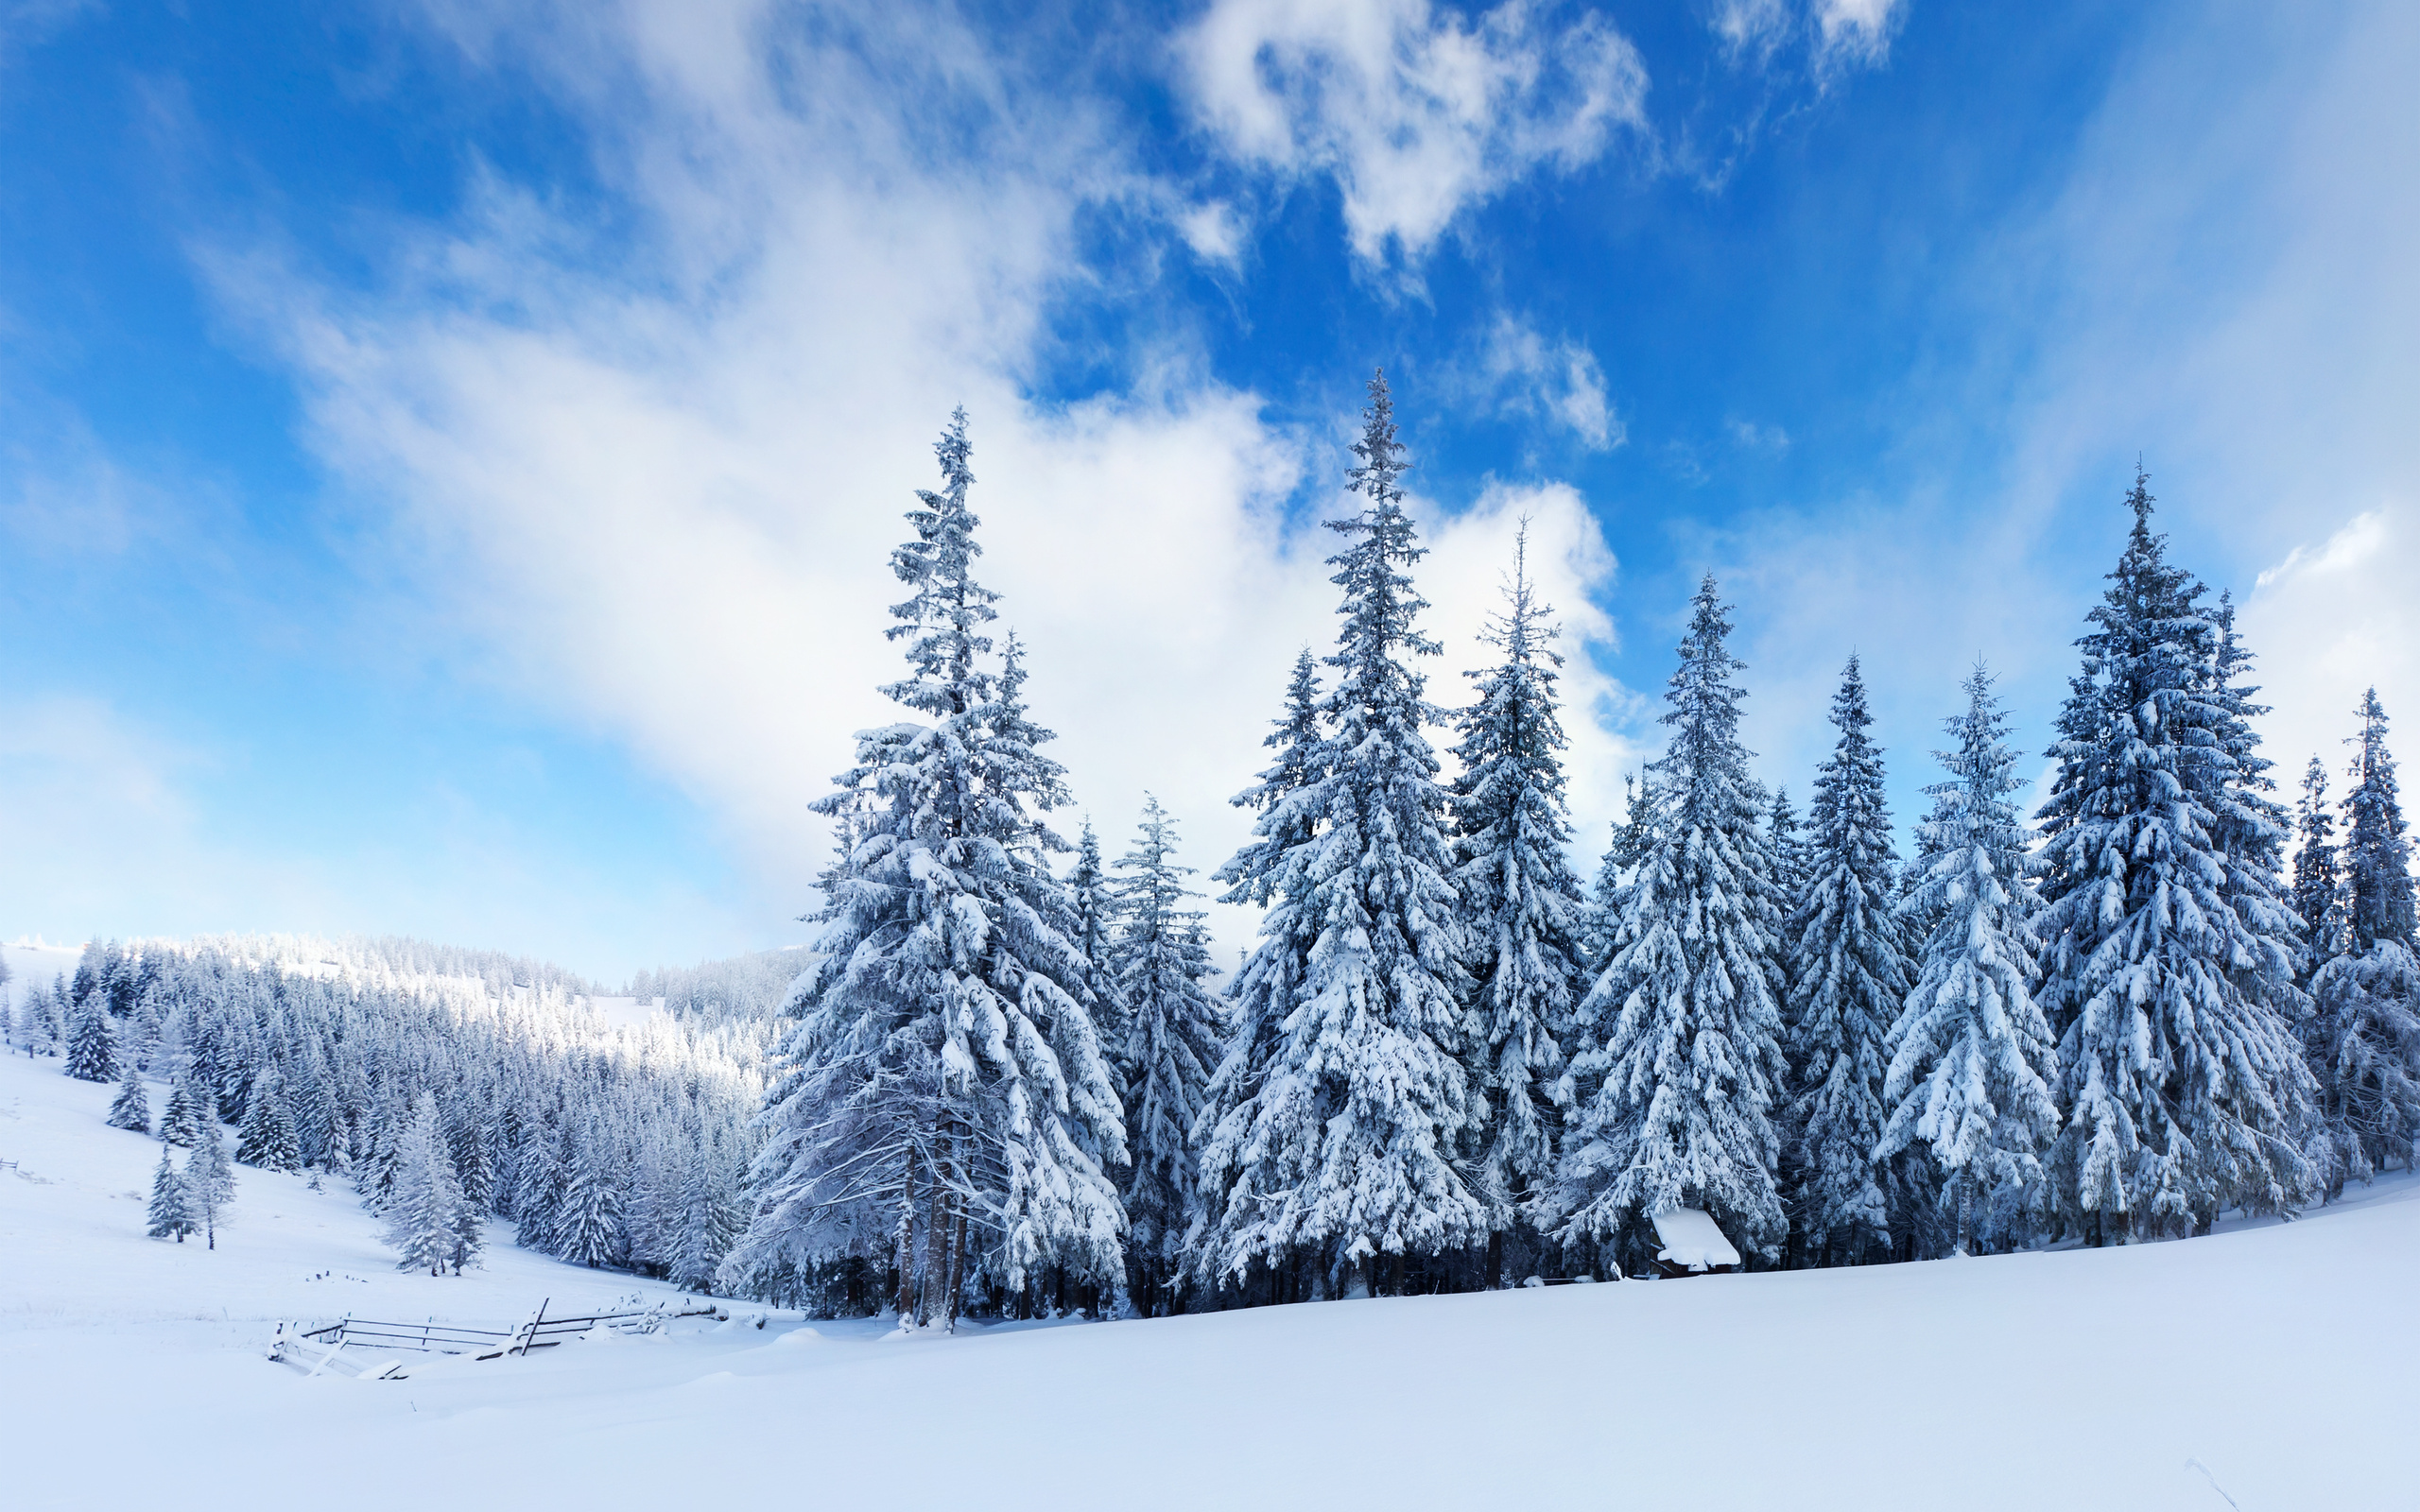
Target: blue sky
[448,453]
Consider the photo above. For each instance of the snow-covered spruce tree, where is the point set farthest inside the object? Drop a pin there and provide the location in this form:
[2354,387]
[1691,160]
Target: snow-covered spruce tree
[132,1111]
[1632,836]
[92,1040]
[2169,980]
[705,1223]
[186,1115]
[1789,844]
[2366,1023]
[1092,896]
[209,1180]
[1285,820]
[1176,1032]
[266,1136]
[170,1215]
[1332,1132]
[1523,911]
[425,1205]
[1678,1058]
[537,1190]
[587,1227]
[2319,893]
[1849,976]
[946,1106]
[1971,1056]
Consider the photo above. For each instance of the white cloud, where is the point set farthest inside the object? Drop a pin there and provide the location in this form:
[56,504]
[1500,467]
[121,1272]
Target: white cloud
[2330,621]
[1414,111]
[1838,33]
[666,490]
[1521,372]
[1855,30]
[1213,230]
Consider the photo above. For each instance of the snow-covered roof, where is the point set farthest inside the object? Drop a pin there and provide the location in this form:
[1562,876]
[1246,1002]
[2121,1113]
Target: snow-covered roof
[1691,1240]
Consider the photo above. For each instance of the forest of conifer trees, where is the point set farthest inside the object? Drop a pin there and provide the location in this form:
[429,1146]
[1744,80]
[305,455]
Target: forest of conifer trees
[1009,1082]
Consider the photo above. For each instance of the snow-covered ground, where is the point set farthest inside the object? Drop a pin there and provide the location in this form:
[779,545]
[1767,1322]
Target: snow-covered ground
[2278,1358]
[35,962]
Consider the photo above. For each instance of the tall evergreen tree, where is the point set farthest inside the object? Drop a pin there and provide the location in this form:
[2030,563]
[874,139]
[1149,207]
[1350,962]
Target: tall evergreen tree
[1789,844]
[2167,975]
[209,1180]
[1523,911]
[1849,976]
[1680,1058]
[425,1205]
[186,1115]
[945,1046]
[133,1108]
[170,1214]
[1282,796]
[1971,1055]
[2319,893]
[1092,896]
[588,1216]
[1331,1133]
[2366,1027]
[266,1136]
[92,1040]
[1176,1033]
[1633,835]
[705,1224]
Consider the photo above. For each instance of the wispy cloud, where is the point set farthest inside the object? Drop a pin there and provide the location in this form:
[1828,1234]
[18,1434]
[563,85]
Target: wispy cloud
[1414,111]
[1515,370]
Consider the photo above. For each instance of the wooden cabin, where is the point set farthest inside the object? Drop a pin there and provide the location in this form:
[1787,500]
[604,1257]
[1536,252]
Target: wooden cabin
[1693,1244]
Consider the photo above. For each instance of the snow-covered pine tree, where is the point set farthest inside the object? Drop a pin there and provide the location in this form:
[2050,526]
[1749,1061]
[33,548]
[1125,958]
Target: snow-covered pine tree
[1092,895]
[186,1115]
[470,1134]
[588,1217]
[1678,1057]
[1343,1145]
[133,1108]
[2366,1026]
[1789,844]
[2319,893]
[425,1205]
[704,1225]
[537,1192]
[1523,911]
[1176,1031]
[92,1040]
[2181,1080]
[945,1052]
[35,1030]
[1288,815]
[170,1214]
[1971,1055]
[209,1180]
[1849,976]
[266,1136]
[1631,836]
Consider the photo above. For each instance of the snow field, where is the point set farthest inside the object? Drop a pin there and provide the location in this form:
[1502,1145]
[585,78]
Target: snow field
[131,1374]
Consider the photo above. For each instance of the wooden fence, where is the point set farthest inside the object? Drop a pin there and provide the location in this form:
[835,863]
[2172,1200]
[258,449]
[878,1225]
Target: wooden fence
[322,1348]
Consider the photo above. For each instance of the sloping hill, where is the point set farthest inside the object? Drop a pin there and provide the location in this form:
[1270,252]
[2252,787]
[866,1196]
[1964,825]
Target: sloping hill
[2278,1357]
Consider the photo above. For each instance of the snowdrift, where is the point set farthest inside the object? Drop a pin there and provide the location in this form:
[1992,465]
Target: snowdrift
[2277,1357]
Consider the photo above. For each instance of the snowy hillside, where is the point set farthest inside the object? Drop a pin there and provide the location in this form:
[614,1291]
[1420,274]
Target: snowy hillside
[2276,1356]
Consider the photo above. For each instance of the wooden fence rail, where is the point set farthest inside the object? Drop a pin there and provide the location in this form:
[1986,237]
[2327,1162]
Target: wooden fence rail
[317,1348]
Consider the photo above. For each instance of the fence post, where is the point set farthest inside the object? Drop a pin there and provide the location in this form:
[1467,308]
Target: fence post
[530,1337]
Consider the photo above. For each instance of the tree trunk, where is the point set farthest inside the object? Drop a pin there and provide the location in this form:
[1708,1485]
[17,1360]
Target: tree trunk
[1496,1260]
[905,1301]
[1965,1213]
